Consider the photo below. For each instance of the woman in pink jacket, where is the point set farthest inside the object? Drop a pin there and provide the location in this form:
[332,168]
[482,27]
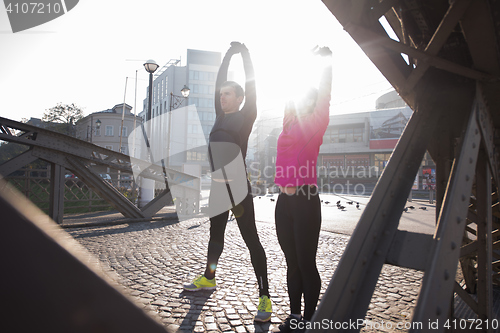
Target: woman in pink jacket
[298,209]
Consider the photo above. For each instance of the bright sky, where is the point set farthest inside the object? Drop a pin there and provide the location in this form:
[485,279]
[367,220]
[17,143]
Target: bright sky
[85,56]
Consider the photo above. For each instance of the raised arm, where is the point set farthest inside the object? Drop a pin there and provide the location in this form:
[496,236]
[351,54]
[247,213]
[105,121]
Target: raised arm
[325,84]
[250,90]
[321,115]
[221,78]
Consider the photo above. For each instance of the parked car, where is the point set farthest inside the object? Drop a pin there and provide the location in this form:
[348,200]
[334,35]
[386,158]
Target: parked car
[105,176]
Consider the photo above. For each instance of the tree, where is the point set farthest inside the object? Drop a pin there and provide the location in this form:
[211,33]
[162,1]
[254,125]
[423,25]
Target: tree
[62,117]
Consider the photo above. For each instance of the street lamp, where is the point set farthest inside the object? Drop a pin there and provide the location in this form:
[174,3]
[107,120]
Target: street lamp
[151,66]
[146,192]
[185,91]
[175,102]
[91,127]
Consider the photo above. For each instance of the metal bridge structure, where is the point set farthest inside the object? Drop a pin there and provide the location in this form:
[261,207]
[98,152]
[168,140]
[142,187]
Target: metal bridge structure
[82,158]
[445,64]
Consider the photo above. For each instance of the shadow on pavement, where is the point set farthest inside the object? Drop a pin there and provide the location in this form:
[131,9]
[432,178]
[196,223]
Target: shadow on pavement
[197,300]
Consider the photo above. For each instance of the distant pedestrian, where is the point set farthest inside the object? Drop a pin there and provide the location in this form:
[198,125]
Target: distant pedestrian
[231,129]
[298,209]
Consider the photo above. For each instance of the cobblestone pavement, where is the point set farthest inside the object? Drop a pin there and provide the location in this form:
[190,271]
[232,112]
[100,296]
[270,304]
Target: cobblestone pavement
[153,260]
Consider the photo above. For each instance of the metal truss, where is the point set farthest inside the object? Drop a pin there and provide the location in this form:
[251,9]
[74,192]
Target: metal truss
[450,78]
[66,152]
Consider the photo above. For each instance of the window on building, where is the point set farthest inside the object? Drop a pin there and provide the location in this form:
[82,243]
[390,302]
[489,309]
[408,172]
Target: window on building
[109,130]
[202,76]
[334,135]
[124,150]
[358,134]
[109,147]
[344,134]
[380,160]
[124,131]
[98,131]
[196,156]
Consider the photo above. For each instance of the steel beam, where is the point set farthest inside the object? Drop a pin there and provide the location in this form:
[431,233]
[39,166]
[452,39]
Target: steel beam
[157,203]
[410,250]
[391,65]
[17,162]
[438,282]
[350,290]
[447,25]
[484,239]
[56,204]
[105,189]
[58,278]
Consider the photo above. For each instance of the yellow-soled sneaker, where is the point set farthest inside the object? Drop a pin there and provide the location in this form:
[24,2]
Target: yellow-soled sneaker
[264,310]
[201,283]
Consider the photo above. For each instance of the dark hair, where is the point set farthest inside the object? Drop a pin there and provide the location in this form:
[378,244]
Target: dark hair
[238,90]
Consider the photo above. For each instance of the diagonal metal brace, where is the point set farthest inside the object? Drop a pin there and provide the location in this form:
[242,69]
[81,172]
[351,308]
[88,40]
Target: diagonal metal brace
[350,290]
[438,282]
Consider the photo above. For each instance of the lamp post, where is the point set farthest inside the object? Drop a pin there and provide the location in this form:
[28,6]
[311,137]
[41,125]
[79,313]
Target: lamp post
[175,102]
[151,66]
[146,193]
[91,127]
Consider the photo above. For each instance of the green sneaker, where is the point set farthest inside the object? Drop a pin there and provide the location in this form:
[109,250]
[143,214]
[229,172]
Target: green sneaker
[201,283]
[264,310]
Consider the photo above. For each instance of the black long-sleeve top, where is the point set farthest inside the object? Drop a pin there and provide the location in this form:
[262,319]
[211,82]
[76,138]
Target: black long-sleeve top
[234,127]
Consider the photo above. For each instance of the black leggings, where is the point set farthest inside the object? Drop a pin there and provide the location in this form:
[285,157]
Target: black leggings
[298,223]
[245,217]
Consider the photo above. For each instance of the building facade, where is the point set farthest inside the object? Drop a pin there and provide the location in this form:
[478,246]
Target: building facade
[355,146]
[180,127]
[103,128]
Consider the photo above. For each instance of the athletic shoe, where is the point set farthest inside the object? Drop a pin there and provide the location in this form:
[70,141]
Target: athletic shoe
[201,283]
[264,310]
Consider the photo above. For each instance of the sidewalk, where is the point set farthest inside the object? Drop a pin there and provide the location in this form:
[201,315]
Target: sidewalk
[153,260]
